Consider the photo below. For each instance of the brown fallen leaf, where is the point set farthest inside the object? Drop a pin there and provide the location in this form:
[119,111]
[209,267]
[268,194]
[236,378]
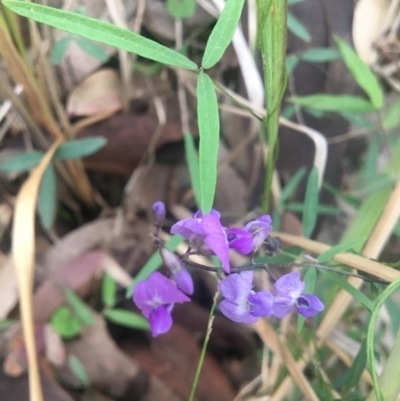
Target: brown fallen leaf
[100,92]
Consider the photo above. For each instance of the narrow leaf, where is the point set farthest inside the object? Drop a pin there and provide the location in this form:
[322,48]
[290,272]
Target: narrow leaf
[59,49]
[392,117]
[338,103]
[100,31]
[297,28]
[356,368]
[208,120]
[108,290]
[342,247]
[82,311]
[6,323]
[23,162]
[79,370]
[310,203]
[321,209]
[127,319]
[353,291]
[192,160]
[180,9]
[361,73]
[310,279]
[79,148]
[65,323]
[222,33]
[291,186]
[92,49]
[320,55]
[47,197]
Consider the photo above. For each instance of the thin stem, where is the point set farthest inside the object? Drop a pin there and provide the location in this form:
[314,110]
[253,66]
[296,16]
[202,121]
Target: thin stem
[204,348]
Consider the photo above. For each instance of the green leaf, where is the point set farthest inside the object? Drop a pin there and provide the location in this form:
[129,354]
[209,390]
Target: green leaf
[370,165]
[222,33]
[153,263]
[338,103]
[291,63]
[127,319]
[6,323]
[79,148]
[108,290]
[92,49]
[82,311]
[370,340]
[310,203]
[320,55]
[78,370]
[208,120]
[291,186]
[21,163]
[100,31]
[321,209]
[392,116]
[59,49]
[192,160]
[393,310]
[65,323]
[297,28]
[353,291]
[310,279]
[356,368]
[361,73]
[342,247]
[47,197]
[293,2]
[180,9]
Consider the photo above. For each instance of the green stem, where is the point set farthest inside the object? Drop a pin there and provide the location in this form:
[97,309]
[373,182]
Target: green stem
[204,349]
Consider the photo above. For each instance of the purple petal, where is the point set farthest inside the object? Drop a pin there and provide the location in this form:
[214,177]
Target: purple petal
[290,286]
[238,313]
[187,228]
[261,303]
[216,239]
[240,240]
[309,305]
[160,320]
[199,214]
[237,287]
[159,213]
[266,218]
[184,281]
[259,229]
[282,306]
[171,261]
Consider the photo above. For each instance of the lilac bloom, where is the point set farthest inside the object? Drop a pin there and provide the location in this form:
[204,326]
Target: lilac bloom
[216,239]
[240,240]
[158,213]
[155,297]
[192,231]
[290,293]
[240,303]
[179,274]
[259,229]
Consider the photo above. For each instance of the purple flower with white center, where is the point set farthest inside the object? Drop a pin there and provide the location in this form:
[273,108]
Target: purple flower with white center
[155,297]
[290,293]
[179,274]
[240,240]
[259,229]
[240,303]
[158,213]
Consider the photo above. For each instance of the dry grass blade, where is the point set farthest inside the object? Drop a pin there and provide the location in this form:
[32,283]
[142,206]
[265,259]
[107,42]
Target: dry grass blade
[23,252]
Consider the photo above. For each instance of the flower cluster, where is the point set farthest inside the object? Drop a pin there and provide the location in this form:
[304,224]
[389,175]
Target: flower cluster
[157,295]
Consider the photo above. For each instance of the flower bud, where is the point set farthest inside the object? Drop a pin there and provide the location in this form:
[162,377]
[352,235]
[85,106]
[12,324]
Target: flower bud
[158,213]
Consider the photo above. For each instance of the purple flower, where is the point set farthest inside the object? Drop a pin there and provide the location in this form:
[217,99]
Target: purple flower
[241,304]
[259,229]
[156,297]
[180,275]
[290,292]
[240,240]
[158,213]
[206,234]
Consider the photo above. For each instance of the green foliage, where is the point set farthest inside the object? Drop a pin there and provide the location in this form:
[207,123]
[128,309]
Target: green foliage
[208,120]
[21,163]
[78,370]
[342,247]
[5,324]
[353,375]
[100,31]
[180,9]
[65,323]
[297,28]
[320,55]
[338,103]
[192,160]
[59,49]
[222,33]
[79,148]
[291,186]
[108,290]
[361,73]
[391,118]
[92,49]
[81,310]
[127,319]
[47,197]
[310,203]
